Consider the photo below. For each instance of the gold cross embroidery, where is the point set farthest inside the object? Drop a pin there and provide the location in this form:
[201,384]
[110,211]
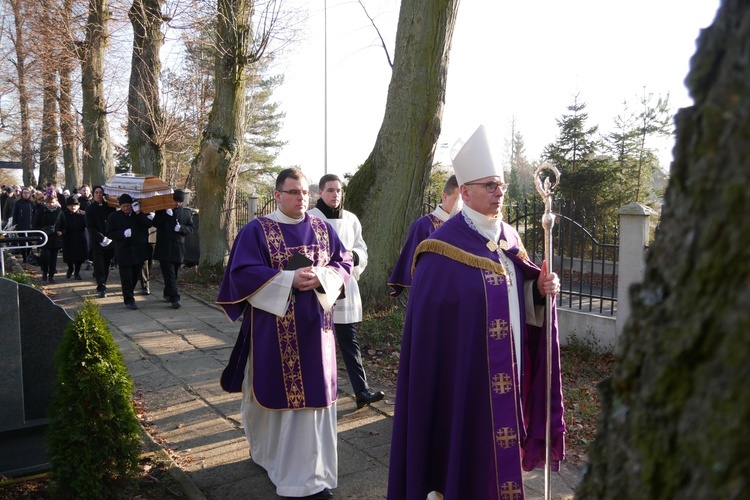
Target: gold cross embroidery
[493,279]
[511,491]
[506,437]
[498,329]
[501,383]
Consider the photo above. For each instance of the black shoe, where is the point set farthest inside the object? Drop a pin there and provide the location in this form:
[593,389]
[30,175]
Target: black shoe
[367,397]
[145,290]
[326,493]
[101,295]
[78,277]
[51,279]
[132,306]
[176,304]
[68,274]
[44,277]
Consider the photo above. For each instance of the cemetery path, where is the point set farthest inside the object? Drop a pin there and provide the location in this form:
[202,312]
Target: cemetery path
[175,358]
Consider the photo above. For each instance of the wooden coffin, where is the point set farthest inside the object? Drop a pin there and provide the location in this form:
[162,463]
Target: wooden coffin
[152,193]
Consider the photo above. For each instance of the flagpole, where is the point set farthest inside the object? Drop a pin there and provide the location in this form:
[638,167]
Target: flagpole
[545,189]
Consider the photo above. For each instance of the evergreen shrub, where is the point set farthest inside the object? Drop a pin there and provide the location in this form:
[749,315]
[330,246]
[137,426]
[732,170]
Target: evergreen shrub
[93,434]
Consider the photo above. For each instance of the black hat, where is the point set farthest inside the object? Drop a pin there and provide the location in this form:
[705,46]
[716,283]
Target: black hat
[124,198]
[178,195]
[72,201]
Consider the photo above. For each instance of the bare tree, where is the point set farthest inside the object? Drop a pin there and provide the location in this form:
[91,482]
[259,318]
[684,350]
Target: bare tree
[68,116]
[49,145]
[98,163]
[397,171]
[21,53]
[218,160]
[145,117]
[674,417]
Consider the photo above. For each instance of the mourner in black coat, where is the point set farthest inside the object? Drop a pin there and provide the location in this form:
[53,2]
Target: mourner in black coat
[75,248]
[128,228]
[102,249]
[49,219]
[171,227]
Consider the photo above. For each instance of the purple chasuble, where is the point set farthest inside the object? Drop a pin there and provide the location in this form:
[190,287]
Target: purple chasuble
[464,424]
[293,356]
[420,230]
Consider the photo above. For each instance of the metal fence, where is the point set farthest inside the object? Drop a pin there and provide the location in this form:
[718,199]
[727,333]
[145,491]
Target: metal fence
[585,254]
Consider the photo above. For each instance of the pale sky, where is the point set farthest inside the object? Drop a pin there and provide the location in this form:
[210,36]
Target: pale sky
[508,59]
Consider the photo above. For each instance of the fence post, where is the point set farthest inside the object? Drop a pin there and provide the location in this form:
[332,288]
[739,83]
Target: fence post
[632,265]
[252,207]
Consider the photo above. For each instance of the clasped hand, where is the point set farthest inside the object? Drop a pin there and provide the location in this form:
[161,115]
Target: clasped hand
[305,280]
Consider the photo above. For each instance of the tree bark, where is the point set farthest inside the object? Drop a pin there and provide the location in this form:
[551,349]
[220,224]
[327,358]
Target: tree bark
[67,113]
[217,162]
[145,119]
[27,152]
[98,164]
[391,182]
[675,414]
[48,147]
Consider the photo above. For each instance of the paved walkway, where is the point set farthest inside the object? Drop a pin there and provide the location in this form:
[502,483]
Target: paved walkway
[175,358]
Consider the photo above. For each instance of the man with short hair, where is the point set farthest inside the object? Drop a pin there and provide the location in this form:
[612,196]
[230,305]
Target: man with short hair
[102,250]
[471,403]
[171,227]
[348,310]
[284,274]
[128,228]
[420,230]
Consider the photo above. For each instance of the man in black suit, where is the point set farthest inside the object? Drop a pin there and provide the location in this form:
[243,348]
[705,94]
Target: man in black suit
[171,227]
[128,228]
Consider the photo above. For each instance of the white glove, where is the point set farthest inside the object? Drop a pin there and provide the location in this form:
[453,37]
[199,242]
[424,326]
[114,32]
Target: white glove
[169,212]
[105,242]
[10,221]
[126,233]
[177,228]
[136,206]
[151,215]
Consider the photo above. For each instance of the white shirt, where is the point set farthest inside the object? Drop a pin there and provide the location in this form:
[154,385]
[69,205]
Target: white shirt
[349,231]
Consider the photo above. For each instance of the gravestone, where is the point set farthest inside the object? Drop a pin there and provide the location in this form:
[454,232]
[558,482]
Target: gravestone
[32,328]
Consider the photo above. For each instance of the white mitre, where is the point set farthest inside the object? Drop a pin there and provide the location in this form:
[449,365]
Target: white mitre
[473,160]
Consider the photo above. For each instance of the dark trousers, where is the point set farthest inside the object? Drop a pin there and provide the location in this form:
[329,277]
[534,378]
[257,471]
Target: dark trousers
[346,333]
[74,268]
[48,261]
[169,271]
[147,265]
[128,278]
[102,260]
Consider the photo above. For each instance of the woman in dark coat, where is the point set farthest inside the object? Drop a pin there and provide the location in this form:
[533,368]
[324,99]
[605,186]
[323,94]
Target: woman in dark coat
[75,249]
[23,216]
[49,219]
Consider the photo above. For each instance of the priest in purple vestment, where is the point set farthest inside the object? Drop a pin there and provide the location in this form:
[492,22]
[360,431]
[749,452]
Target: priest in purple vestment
[470,399]
[420,230]
[284,274]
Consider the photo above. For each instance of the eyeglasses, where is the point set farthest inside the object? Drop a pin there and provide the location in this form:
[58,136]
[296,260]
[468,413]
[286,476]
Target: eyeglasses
[491,186]
[295,192]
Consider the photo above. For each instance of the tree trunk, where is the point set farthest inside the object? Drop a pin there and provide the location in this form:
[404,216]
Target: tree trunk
[98,164]
[67,115]
[674,420]
[217,162]
[27,153]
[145,120]
[390,184]
[48,146]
